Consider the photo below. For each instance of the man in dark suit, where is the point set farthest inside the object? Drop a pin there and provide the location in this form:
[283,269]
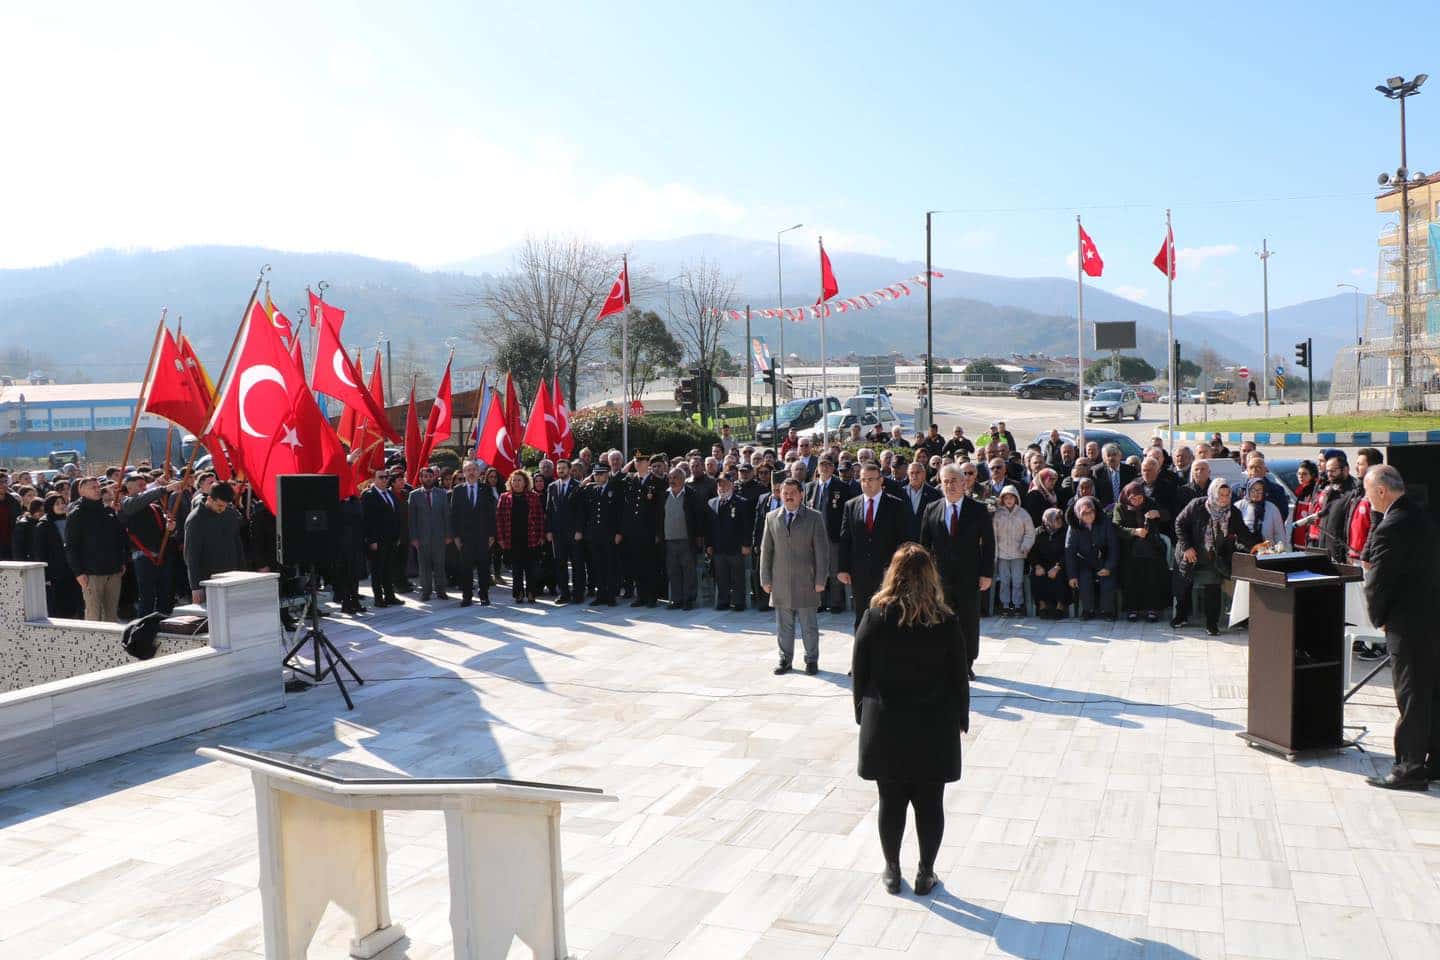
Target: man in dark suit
[562,519]
[917,496]
[602,508]
[1112,475]
[382,537]
[827,495]
[959,532]
[1400,596]
[472,524]
[763,506]
[872,529]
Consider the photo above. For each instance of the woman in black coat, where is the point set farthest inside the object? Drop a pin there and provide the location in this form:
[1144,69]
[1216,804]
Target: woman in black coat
[62,590]
[912,702]
[1208,532]
[1144,569]
[1092,557]
[1048,584]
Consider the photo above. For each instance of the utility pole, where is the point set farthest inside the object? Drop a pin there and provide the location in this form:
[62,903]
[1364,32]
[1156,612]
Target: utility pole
[1265,254]
[929,332]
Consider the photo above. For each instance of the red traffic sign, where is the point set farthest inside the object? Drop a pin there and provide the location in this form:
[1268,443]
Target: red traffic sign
[637,409]
[1243,373]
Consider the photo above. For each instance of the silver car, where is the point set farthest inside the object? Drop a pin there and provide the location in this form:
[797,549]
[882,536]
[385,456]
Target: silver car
[1113,404]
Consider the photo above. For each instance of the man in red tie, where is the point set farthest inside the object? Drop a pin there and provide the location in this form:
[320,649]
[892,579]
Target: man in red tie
[958,531]
[870,532]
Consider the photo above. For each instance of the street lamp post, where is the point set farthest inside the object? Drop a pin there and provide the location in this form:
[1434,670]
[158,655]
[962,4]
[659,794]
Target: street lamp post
[1357,341]
[929,331]
[1398,88]
[780,290]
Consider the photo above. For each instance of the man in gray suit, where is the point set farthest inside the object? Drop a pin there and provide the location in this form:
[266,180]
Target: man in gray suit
[429,533]
[794,562]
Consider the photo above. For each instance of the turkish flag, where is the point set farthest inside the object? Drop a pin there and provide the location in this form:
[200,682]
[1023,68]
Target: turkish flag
[336,376]
[538,428]
[414,442]
[498,447]
[319,308]
[266,416]
[278,320]
[828,285]
[513,427]
[297,355]
[619,297]
[437,428]
[197,370]
[564,439]
[1165,260]
[1090,260]
[172,392]
[368,438]
[347,426]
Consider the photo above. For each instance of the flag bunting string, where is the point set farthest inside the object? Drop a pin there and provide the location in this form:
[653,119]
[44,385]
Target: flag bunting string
[838,305]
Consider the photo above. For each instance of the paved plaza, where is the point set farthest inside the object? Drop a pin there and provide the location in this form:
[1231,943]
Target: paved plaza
[1107,809]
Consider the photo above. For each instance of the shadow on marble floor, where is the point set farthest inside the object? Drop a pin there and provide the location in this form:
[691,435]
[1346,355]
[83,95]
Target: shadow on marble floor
[1030,938]
[1017,695]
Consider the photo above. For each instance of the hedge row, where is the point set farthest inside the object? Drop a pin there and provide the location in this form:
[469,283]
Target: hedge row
[653,433]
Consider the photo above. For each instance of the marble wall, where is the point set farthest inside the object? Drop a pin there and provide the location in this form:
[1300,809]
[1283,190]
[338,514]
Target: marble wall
[107,703]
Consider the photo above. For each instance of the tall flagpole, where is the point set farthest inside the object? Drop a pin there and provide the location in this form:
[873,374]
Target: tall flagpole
[824,374]
[1080,323]
[144,385]
[1170,318]
[625,358]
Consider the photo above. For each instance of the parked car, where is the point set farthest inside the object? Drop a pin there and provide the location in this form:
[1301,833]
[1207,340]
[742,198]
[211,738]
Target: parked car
[1128,446]
[839,422]
[871,400]
[798,414]
[1147,392]
[1045,388]
[1113,405]
[873,392]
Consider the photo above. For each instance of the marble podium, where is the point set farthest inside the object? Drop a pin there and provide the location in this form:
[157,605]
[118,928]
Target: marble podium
[322,840]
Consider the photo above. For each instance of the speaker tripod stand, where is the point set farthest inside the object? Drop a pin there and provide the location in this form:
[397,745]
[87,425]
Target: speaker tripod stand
[323,653]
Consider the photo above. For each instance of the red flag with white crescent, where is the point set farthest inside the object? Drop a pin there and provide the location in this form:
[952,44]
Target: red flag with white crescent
[336,375]
[537,428]
[619,297]
[564,439]
[497,447]
[437,427]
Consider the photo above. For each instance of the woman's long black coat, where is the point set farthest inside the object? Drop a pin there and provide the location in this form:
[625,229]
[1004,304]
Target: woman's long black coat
[912,698]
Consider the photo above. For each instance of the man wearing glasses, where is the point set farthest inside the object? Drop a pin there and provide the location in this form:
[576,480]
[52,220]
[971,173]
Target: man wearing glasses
[959,532]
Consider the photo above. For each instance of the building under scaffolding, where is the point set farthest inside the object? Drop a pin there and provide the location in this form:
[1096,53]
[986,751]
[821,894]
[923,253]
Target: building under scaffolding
[1371,375]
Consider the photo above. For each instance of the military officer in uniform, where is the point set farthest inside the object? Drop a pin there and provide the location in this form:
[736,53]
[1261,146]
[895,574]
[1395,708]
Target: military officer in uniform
[640,524]
[603,505]
[732,526]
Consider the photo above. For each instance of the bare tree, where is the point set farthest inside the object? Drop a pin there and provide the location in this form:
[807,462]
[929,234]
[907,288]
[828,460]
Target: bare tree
[553,293]
[702,292]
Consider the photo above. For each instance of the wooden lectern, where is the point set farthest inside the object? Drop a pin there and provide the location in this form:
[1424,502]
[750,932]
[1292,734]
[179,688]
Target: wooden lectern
[322,840]
[1297,650]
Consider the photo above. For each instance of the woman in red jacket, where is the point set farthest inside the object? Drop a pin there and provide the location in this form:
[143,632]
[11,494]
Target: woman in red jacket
[520,528]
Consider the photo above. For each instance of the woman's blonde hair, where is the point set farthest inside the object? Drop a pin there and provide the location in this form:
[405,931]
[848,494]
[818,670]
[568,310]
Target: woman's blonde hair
[912,586]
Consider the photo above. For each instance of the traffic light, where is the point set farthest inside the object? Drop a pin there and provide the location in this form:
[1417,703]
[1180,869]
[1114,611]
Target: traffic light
[1175,360]
[768,377]
[685,396]
[1302,353]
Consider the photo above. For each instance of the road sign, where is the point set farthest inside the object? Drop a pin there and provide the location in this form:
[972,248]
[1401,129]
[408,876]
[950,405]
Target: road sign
[1279,381]
[877,372]
[637,409]
[1279,369]
[1243,373]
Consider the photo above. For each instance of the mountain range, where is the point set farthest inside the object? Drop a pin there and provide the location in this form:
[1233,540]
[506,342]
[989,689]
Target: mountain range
[94,316]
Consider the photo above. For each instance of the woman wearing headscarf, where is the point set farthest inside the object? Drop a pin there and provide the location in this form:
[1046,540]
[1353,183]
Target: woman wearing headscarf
[1208,532]
[912,702]
[1145,576]
[1262,517]
[1042,496]
[1092,555]
[1049,586]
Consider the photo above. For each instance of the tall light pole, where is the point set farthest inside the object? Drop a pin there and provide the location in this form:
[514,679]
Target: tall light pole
[1398,88]
[780,290]
[929,332]
[1265,253]
[1357,341]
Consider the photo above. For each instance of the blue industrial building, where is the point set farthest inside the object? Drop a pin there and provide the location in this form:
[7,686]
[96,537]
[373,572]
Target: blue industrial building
[91,418]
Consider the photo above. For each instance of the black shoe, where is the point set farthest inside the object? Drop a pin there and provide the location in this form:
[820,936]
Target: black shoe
[425,597]
[466,602]
[1058,615]
[1109,618]
[626,594]
[611,602]
[1152,617]
[740,609]
[441,595]
[1432,772]
[637,603]
[597,602]
[1419,783]
[687,606]
[1088,615]
[1372,654]
[782,667]
[561,601]
[812,667]
[1213,631]
[1177,622]
[925,880]
[722,606]
[972,674]
[891,878]
[1132,616]
[484,601]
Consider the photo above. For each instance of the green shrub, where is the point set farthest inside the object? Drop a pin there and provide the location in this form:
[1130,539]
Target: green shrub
[601,430]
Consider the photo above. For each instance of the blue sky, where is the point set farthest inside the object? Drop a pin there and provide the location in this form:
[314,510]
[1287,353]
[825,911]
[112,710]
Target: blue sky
[434,132]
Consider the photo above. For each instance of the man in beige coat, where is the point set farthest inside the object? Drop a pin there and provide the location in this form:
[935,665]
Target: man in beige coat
[794,562]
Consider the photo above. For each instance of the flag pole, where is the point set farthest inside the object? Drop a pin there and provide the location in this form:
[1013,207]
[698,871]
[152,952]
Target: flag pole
[1170,320]
[225,369]
[479,405]
[824,369]
[1080,336]
[144,384]
[625,359]
[749,374]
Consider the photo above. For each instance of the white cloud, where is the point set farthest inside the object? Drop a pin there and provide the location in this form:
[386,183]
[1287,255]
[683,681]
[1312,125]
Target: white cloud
[1072,259]
[1137,294]
[1194,257]
[1361,272]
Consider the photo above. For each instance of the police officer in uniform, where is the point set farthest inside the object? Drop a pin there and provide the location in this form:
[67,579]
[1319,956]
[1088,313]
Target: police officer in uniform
[604,504]
[732,526]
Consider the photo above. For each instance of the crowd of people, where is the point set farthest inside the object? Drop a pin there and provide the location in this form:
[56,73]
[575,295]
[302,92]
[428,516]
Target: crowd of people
[1062,530]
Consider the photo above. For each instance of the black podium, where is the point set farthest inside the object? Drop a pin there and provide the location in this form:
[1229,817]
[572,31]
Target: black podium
[1297,650]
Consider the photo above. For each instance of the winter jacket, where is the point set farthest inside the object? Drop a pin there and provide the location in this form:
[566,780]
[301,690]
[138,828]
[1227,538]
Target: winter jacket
[1014,530]
[1094,547]
[534,519]
[1048,549]
[94,540]
[212,543]
[1127,521]
[1190,533]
